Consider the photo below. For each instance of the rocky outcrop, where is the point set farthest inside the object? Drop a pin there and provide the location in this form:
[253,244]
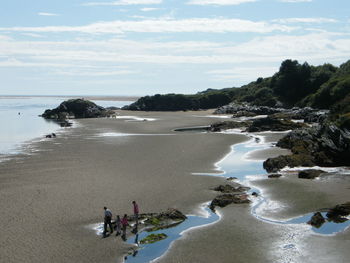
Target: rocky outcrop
[323,145]
[230,189]
[226,125]
[307,114]
[245,109]
[226,199]
[76,108]
[310,173]
[273,124]
[317,220]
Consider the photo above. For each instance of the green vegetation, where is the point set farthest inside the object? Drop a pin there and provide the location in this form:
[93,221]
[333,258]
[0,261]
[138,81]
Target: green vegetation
[295,84]
[152,238]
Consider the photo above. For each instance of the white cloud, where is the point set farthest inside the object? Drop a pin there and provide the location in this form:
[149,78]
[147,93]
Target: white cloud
[316,20]
[219,2]
[235,63]
[47,14]
[164,25]
[323,47]
[32,35]
[295,1]
[149,9]
[125,2]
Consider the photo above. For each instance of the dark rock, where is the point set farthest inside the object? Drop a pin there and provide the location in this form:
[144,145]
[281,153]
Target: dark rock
[273,124]
[310,173]
[173,214]
[339,211]
[76,108]
[255,194]
[274,175]
[226,199]
[65,123]
[317,220]
[225,125]
[231,178]
[273,165]
[230,189]
[243,113]
[48,136]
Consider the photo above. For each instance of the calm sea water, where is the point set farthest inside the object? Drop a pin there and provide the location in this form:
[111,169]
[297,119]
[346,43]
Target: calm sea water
[20,121]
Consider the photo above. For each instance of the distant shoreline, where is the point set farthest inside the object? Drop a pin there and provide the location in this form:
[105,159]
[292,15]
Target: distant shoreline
[90,97]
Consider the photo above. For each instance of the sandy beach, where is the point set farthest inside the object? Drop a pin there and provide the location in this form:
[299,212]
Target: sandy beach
[49,198]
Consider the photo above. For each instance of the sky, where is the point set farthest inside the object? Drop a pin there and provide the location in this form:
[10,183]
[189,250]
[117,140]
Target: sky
[144,47]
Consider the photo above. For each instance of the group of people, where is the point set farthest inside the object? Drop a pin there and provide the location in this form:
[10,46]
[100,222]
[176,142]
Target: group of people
[120,224]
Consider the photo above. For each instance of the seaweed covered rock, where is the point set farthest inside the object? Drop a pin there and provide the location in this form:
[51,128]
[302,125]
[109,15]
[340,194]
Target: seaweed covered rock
[76,108]
[273,124]
[152,238]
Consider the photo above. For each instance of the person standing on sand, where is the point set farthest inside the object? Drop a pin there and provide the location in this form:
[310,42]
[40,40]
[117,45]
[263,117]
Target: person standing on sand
[136,213]
[118,226]
[124,223]
[107,220]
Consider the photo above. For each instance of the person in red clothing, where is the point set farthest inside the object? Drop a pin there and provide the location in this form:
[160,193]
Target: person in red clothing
[136,212]
[124,223]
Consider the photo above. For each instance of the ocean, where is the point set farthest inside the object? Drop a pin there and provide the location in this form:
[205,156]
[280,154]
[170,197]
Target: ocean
[20,121]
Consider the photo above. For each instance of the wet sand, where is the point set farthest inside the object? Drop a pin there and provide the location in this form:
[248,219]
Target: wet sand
[49,198]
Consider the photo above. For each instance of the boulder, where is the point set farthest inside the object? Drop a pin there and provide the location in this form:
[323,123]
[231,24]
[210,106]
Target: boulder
[226,199]
[310,173]
[317,220]
[274,175]
[273,165]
